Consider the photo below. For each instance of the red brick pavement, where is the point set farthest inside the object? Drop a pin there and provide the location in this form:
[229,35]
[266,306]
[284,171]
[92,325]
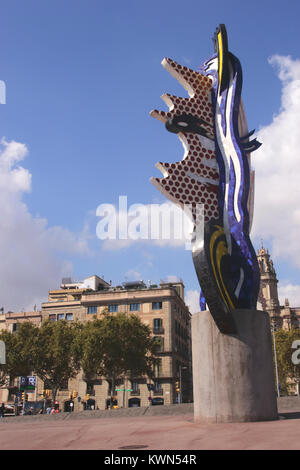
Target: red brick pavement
[154,432]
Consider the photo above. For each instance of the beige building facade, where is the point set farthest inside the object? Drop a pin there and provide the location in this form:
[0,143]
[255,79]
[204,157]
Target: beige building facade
[161,307]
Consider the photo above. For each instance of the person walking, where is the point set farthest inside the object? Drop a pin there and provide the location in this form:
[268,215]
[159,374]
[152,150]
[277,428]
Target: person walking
[2,408]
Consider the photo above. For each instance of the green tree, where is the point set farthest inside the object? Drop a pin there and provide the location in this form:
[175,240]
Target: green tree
[287,370]
[117,346]
[57,353]
[92,348]
[20,347]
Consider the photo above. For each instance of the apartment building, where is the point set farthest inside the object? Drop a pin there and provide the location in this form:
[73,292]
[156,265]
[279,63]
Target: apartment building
[10,320]
[161,307]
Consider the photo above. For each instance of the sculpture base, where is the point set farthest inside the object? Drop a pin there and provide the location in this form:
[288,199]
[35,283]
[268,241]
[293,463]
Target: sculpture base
[233,377]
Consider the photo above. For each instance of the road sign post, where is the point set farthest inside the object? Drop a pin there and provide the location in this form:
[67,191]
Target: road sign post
[26,384]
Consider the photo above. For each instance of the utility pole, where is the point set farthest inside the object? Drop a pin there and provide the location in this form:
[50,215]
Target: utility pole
[125,383]
[180,382]
[275,356]
[180,393]
[19,396]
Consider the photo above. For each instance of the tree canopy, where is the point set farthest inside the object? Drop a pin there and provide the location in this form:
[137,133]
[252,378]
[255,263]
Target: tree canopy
[117,345]
[20,352]
[57,353]
[114,346]
[287,371]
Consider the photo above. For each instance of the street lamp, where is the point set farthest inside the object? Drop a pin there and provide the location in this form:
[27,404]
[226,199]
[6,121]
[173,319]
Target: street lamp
[180,384]
[275,356]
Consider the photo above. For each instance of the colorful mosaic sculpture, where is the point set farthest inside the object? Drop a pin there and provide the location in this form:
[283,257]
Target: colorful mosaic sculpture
[214,178]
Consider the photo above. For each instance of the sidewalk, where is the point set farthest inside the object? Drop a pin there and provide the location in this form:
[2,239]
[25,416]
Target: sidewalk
[164,432]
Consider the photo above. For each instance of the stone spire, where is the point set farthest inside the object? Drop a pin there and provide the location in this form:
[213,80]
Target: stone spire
[268,283]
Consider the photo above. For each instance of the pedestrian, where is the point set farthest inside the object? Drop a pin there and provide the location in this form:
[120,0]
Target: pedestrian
[2,408]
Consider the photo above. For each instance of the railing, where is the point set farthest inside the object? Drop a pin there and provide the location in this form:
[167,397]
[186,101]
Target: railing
[158,330]
[158,349]
[158,391]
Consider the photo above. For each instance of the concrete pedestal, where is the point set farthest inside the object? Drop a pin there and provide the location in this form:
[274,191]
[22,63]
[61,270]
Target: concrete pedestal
[233,374]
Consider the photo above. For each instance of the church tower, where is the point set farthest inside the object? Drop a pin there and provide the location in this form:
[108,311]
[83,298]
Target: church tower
[268,295]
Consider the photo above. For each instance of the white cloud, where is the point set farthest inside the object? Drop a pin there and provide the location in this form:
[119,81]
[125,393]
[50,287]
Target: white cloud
[29,249]
[277,168]
[173,278]
[192,300]
[133,275]
[289,291]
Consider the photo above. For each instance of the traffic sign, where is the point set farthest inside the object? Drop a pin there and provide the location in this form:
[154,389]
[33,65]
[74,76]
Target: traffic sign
[27,382]
[124,390]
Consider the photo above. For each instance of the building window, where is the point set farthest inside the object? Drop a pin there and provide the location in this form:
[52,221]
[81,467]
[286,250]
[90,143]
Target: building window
[159,347]
[69,316]
[135,386]
[90,388]
[157,326]
[113,308]
[157,368]
[156,386]
[157,389]
[135,307]
[52,317]
[60,316]
[156,305]
[92,309]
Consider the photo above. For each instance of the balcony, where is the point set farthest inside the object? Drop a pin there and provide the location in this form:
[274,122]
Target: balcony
[135,393]
[158,349]
[158,330]
[158,391]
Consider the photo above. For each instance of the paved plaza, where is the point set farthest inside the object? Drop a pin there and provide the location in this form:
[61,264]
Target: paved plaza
[160,432]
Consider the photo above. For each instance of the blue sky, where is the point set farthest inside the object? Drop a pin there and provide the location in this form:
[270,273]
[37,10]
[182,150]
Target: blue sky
[81,78]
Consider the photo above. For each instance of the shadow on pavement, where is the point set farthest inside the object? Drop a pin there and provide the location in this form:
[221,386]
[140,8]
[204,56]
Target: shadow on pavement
[289,415]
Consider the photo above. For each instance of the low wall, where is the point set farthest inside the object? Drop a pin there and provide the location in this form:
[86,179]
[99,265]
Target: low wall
[285,404]
[291,403]
[184,408]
